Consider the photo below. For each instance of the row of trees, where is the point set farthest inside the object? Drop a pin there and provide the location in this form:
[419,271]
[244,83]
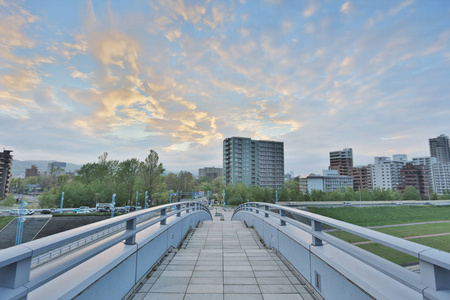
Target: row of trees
[97,182]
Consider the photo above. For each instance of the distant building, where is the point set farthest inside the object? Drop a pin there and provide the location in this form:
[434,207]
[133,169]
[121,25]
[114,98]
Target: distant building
[303,184]
[426,161]
[33,171]
[289,176]
[416,176]
[330,181]
[342,161]
[5,171]
[212,172]
[253,162]
[54,165]
[360,178]
[440,173]
[440,148]
[386,172]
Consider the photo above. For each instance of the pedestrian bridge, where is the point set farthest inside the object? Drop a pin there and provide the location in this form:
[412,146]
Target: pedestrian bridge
[263,251]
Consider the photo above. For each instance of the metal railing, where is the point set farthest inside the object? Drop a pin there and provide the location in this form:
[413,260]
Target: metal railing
[39,260]
[17,277]
[435,264]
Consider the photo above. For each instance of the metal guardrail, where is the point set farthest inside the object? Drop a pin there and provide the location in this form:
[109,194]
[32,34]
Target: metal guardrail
[39,260]
[435,264]
[17,277]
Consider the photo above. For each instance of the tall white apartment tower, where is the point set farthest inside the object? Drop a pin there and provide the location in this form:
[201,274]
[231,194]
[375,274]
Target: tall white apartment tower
[386,172]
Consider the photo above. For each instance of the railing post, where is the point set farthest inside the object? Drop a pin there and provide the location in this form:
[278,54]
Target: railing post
[179,210]
[187,205]
[257,208]
[131,225]
[266,208]
[163,214]
[15,274]
[282,215]
[432,275]
[316,226]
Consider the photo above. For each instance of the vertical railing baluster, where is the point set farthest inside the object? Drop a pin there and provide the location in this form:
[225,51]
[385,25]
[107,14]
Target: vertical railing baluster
[266,208]
[131,225]
[179,210]
[317,227]
[163,215]
[282,215]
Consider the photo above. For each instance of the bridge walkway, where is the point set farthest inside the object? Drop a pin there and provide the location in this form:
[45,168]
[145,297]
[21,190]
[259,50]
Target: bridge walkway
[222,260]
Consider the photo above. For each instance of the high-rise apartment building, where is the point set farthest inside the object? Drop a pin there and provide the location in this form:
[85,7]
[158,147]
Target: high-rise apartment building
[5,171]
[426,161]
[416,176]
[212,172]
[386,172]
[360,178]
[440,173]
[440,148]
[342,161]
[256,163]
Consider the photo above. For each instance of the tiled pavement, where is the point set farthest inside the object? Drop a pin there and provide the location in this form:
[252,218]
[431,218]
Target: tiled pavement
[222,260]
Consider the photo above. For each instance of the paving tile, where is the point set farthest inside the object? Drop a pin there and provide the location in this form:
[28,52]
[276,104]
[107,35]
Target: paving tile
[212,274]
[173,280]
[243,297]
[163,296]
[206,280]
[278,289]
[176,274]
[282,297]
[237,268]
[168,288]
[274,280]
[238,274]
[269,274]
[204,297]
[241,289]
[239,280]
[205,289]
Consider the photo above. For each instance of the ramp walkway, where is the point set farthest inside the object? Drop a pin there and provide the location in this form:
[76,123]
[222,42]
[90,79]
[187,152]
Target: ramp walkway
[222,260]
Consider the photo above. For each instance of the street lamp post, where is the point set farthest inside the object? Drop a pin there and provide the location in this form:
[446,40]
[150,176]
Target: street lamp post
[137,194]
[62,202]
[223,194]
[276,196]
[146,199]
[20,220]
[112,205]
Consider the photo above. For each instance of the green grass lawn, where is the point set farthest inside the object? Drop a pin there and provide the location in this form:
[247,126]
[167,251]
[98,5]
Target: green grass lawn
[384,215]
[438,242]
[399,231]
[388,215]
[5,221]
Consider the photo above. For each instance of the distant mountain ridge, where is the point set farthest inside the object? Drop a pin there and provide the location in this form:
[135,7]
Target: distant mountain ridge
[19,166]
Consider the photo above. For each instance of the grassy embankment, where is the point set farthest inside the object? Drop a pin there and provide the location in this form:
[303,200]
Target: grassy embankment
[373,216]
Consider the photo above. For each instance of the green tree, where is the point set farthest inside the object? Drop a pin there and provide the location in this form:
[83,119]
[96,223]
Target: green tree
[127,173]
[411,193]
[151,172]
[9,201]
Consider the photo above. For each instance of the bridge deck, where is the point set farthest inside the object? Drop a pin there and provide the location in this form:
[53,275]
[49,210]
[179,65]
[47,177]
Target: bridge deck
[222,260]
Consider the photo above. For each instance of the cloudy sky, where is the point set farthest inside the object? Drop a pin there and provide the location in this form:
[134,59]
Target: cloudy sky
[78,78]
